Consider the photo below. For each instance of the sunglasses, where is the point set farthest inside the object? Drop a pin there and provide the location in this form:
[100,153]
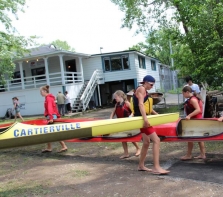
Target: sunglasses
[150,83]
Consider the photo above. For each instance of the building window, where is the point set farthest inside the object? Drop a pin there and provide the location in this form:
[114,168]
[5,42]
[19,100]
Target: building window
[39,71]
[107,64]
[116,63]
[142,63]
[18,77]
[153,65]
[125,62]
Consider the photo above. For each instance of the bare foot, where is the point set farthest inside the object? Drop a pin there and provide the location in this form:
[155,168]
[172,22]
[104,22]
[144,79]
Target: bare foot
[144,169]
[160,171]
[186,158]
[200,157]
[124,156]
[138,152]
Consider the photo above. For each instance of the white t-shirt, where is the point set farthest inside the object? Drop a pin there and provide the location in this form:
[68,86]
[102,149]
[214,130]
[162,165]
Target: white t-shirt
[195,88]
[67,99]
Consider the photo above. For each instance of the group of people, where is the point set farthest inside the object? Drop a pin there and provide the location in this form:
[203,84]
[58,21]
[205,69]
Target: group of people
[193,108]
[64,103]
[141,105]
[53,110]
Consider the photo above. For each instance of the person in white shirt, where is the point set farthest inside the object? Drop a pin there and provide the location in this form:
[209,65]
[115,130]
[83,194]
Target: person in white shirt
[195,88]
[67,103]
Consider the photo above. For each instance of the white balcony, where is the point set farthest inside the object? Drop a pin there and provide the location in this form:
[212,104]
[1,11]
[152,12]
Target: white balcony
[41,80]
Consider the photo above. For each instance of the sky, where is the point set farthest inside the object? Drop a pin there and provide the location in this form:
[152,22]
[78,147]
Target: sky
[86,25]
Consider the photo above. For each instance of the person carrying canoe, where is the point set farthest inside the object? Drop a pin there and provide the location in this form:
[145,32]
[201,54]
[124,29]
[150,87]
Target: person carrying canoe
[193,108]
[50,113]
[121,110]
[142,106]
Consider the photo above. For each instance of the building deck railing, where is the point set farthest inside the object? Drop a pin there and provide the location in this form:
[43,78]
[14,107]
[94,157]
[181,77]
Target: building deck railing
[40,80]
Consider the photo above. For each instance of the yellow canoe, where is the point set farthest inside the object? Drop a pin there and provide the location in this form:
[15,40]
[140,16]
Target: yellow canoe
[20,134]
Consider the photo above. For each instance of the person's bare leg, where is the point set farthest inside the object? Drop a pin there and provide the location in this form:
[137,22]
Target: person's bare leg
[64,147]
[20,116]
[144,150]
[202,151]
[156,152]
[125,148]
[15,117]
[138,150]
[188,156]
[48,148]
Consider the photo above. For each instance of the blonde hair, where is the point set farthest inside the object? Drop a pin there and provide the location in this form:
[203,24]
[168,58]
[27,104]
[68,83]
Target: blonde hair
[121,94]
[45,88]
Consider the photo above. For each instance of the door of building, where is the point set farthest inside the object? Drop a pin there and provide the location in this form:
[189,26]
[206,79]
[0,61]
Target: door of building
[71,67]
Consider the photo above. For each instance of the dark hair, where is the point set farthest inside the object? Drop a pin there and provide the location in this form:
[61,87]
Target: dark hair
[66,92]
[188,78]
[15,98]
[45,88]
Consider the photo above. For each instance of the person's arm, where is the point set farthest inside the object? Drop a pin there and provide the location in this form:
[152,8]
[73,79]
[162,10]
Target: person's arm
[113,112]
[154,112]
[196,106]
[140,92]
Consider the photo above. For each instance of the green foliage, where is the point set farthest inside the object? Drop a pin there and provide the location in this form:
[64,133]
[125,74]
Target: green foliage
[194,27]
[11,46]
[63,45]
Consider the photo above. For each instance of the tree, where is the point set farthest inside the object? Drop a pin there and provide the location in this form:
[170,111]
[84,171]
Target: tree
[11,47]
[63,45]
[157,44]
[196,26]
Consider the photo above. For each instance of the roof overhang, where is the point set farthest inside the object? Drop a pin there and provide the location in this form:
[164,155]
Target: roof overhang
[52,54]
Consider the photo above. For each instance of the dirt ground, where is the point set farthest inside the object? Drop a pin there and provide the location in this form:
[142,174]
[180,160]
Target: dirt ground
[94,169]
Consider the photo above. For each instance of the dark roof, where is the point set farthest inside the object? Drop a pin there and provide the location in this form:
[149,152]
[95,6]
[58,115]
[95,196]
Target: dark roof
[47,50]
[43,50]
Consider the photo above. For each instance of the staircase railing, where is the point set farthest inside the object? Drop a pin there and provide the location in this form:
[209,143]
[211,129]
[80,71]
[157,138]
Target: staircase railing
[89,90]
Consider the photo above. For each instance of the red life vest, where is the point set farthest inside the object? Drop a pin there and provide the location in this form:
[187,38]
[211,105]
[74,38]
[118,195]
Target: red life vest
[189,108]
[122,110]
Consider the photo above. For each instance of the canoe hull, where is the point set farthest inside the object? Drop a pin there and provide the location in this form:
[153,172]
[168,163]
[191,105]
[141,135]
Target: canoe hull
[191,130]
[20,134]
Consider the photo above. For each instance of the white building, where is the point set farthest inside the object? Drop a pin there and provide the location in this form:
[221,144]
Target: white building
[86,77]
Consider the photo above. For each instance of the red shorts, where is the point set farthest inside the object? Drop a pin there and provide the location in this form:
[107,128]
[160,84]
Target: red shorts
[148,130]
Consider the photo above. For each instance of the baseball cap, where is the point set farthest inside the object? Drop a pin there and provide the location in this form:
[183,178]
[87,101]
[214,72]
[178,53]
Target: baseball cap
[148,78]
